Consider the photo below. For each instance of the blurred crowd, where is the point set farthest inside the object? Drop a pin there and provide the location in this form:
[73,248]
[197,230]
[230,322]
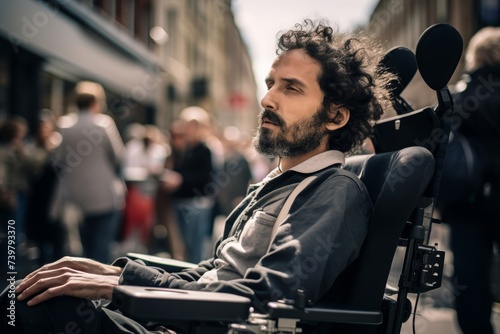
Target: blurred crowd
[169,190]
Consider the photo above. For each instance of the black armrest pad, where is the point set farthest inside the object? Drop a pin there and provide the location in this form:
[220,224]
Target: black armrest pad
[169,265]
[324,314]
[160,304]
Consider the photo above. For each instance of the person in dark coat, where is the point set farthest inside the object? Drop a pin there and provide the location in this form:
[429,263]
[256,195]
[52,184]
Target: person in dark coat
[474,220]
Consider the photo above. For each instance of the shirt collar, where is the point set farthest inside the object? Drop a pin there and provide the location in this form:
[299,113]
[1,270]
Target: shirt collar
[313,164]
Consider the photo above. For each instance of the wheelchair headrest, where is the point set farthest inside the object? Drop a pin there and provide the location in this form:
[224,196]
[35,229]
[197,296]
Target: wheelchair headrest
[438,52]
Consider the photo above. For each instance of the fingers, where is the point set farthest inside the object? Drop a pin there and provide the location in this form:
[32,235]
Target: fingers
[33,273]
[76,277]
[43,280]
[69,283]
[85,265]
[45,295]
[62,262]
[45,289]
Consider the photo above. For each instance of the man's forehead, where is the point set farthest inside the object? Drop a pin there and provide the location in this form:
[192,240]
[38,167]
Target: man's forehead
[295,63]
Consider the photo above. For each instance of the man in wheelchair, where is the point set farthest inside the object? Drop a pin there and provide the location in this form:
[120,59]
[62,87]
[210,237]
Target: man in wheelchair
[324,94]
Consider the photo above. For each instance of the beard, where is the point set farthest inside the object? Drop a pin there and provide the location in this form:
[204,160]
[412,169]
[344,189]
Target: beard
[291,140]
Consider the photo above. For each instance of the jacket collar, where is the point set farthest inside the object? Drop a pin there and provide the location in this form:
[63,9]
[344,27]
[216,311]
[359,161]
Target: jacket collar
[313,164]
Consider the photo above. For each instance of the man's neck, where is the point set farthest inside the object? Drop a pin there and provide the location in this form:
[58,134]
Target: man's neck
[289,162]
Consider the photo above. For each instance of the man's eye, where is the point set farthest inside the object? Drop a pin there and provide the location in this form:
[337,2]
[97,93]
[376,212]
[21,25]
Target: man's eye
[292,88]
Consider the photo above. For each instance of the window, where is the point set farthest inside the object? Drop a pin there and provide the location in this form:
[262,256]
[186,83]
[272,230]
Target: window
[172,32]
[125,14]
[107,7]
[143,20]
[442,10]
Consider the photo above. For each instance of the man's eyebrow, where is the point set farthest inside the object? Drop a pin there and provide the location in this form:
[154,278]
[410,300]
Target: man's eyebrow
[294,81]
[288,80]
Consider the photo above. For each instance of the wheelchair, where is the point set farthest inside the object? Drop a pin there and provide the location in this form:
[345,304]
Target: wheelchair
[402,179]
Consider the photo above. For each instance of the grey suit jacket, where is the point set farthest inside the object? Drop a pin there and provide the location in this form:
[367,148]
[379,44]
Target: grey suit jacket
[87,164]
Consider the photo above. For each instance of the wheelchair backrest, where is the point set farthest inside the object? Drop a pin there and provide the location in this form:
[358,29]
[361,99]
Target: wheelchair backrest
[395,182]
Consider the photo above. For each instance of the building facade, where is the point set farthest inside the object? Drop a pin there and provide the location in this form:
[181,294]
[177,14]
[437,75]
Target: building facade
[154,57]
[401,22]
[47,46]
[207,62]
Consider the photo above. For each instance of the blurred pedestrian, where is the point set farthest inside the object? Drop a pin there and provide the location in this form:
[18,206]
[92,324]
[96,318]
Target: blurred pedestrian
[43,232]
[88,166]
[190,184]
[45,140]
[236,172]
[474,220]
[143,166]
[16,161]
[14,185]
[167,236]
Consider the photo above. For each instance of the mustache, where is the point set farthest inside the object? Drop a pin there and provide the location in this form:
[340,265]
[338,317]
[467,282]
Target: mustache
[272,117]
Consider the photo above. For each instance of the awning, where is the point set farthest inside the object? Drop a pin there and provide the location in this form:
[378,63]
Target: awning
[85,47]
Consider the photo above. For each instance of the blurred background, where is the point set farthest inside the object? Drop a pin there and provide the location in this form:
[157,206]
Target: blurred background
[155,58]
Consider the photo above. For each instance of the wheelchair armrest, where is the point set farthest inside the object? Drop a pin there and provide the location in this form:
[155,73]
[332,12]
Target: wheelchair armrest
[169,265]
[162,304]
[324,314]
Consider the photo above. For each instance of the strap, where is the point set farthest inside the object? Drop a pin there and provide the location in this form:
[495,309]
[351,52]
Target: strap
[288,204]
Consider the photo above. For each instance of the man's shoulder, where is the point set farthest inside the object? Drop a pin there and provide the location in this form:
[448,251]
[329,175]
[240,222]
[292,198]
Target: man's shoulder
[67,121]
[335,178]
[103,120]
[337,171]
[202,148]
[330,180]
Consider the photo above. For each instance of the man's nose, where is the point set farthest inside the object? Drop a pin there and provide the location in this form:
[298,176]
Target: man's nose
[269,101]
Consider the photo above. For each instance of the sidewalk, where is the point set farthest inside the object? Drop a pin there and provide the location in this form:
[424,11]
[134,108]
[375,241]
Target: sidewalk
[440,320]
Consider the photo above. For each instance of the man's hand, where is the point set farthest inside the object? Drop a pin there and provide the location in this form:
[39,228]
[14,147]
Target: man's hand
[171,180]
[80,264]
[70,276]
[65,282]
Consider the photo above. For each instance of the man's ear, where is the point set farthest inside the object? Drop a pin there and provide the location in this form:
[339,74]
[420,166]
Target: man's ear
[339,116]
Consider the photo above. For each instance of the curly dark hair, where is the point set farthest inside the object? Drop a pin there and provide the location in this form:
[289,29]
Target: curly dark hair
[350,77]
